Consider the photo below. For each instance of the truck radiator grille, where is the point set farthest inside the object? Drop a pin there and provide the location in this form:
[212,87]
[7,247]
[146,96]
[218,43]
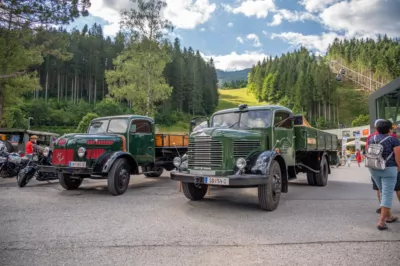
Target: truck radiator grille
[204,152]
[241,148]
[62,156]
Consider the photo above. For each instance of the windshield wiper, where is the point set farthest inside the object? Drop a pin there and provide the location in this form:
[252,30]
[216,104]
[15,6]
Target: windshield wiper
[283,121]
[238,122]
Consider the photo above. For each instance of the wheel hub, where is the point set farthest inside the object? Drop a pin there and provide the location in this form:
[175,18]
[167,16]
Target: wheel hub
[123,177]
[276,187]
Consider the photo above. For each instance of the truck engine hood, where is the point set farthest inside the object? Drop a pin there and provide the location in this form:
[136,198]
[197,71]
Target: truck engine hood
[227,133]
[88,139]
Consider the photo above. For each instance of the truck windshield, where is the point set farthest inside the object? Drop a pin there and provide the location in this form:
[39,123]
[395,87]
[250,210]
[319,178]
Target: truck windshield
[118,125]
[249,119]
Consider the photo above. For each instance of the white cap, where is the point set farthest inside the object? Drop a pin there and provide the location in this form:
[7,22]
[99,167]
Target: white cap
[378,120]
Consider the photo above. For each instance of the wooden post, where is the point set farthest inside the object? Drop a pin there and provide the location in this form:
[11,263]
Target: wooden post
[180,186]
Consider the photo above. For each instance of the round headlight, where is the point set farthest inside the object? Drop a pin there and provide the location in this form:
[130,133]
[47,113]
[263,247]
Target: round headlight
[46,151]
[177,161]
[81,152]
[241,163]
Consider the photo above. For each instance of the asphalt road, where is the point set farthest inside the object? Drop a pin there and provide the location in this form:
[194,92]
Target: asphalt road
[153,224]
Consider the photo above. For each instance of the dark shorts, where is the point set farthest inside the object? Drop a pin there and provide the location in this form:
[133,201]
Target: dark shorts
[396,188]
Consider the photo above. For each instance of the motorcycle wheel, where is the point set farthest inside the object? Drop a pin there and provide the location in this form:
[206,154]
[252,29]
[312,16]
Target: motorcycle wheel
[23,178]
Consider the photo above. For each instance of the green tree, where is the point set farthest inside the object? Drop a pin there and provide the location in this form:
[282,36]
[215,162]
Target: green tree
[84,124]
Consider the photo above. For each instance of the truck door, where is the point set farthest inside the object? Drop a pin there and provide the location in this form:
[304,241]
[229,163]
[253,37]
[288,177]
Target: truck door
[141,140]
[284,133]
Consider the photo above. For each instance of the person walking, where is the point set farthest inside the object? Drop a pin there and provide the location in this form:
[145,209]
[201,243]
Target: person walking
[348,156]
[358,157]
[386,179]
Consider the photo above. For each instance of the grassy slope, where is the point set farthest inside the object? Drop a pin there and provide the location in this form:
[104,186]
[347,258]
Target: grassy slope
[232,98]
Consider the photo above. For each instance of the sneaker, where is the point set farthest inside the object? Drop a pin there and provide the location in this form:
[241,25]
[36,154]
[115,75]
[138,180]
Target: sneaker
[378,211]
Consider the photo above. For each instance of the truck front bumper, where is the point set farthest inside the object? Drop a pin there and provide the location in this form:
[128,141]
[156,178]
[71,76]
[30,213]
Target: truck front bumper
[65,170]
[245,180]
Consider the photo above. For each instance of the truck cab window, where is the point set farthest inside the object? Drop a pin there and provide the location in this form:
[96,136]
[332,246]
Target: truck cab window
[281,116]
[141,127]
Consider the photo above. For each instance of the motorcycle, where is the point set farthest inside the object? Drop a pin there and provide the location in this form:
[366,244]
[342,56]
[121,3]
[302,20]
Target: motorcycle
[10,163]
[30,171]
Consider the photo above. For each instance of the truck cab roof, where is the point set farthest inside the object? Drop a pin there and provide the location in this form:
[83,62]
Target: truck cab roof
[258,107]
[126,116]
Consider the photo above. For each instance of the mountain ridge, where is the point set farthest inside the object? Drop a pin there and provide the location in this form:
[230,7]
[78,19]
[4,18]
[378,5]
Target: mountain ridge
[224,76]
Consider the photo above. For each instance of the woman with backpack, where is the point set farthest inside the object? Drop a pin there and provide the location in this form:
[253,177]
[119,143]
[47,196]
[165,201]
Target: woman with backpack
[383,161]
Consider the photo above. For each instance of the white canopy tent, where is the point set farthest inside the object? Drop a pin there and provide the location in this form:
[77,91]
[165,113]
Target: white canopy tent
[353,143]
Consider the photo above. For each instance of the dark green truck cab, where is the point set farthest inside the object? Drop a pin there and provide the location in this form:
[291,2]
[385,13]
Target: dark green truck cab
[259,146]
[114,148]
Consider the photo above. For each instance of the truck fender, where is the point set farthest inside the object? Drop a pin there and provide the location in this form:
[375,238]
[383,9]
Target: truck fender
[263,162]
[107,161]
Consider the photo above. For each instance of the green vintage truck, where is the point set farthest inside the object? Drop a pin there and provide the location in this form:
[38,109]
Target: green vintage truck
[258,146]
[114,148]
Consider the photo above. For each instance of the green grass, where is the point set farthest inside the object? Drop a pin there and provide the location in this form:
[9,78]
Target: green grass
[232,98]
[353,102]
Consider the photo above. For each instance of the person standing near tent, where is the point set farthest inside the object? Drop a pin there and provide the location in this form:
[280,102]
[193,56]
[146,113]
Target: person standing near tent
[358,157]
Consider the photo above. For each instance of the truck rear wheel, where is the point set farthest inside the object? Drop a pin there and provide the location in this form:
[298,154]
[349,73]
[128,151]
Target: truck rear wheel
[321,178]
[311,178]
[270,194]
[158,171]
[67,183]
[194,192]
[118,177]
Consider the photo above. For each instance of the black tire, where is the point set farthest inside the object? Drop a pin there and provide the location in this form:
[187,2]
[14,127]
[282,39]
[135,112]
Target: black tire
[269,195]
[321,178]
[22,178]
[311,178]
[119,177]
[67,183]
[157,171]
[194,192]
[9,146]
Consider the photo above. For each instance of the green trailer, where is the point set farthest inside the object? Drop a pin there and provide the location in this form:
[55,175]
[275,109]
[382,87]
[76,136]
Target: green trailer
[259,146]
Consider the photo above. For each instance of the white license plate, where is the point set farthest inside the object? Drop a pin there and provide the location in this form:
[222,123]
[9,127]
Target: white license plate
[216,181]
[77,164]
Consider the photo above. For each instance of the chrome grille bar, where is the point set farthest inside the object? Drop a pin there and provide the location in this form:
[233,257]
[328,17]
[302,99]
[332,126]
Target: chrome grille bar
[204,152]
[241,148]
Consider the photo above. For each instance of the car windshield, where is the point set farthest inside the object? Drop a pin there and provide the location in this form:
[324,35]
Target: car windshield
[118,125]
[249,119]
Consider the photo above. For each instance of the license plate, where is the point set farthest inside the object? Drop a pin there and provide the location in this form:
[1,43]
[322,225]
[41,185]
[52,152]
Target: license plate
[216,181]
[77,164]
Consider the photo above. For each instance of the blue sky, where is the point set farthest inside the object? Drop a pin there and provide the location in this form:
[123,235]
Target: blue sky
[238,33]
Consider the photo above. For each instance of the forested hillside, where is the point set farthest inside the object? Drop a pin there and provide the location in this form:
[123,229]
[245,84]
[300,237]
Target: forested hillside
[69,80]
[305,83]
[228,76]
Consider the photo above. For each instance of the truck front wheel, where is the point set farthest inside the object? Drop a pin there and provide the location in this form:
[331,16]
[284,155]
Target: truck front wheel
[194,192]
[119,177]
[270,194]
[67,183]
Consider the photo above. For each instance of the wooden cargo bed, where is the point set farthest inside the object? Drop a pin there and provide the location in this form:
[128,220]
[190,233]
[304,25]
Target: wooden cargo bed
[171,140]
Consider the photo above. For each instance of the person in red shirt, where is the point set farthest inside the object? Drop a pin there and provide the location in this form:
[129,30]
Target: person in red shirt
[374,186]
[30,144]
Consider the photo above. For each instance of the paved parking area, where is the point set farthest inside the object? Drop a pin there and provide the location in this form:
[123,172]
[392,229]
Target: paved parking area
[153,224]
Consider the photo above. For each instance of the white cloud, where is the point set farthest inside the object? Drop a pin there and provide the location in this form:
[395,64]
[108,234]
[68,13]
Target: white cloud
[234,61]
[253,37]
[316,5]
[239,39]
[319,43]
[230,24]
[257,8]
[284,14]
[203,29]
[364,18]
[184,14]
